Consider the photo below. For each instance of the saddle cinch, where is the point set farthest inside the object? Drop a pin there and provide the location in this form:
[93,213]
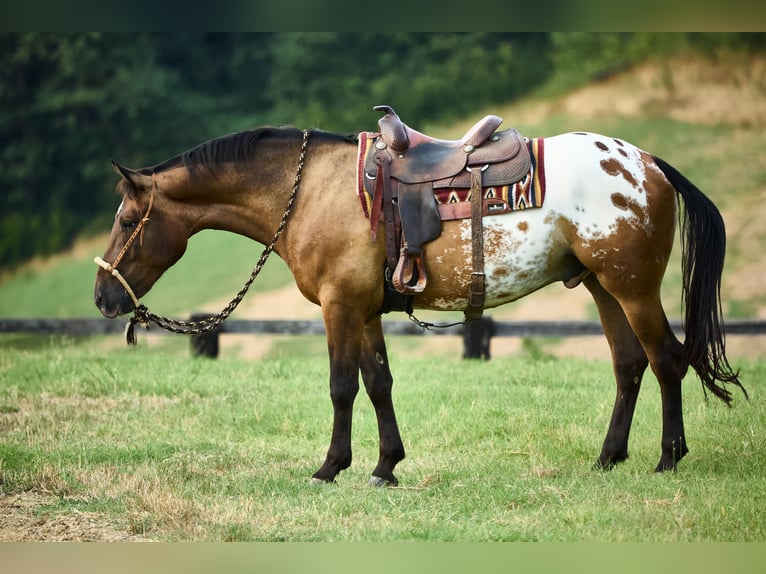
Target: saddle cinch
[409,166]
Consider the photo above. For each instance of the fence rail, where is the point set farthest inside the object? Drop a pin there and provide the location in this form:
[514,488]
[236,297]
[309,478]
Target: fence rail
[476,335]
[77,327]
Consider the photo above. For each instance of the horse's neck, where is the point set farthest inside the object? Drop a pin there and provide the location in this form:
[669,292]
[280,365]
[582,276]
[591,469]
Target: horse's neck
[229,200]
[252,200]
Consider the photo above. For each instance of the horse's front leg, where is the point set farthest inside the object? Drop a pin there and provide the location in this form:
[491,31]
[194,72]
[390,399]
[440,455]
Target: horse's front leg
[378,381]
[344,335]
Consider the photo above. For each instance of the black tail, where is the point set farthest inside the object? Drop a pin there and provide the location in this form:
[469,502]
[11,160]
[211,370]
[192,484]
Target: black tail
[703,240]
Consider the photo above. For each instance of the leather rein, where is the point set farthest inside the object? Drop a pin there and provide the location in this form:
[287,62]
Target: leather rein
[142,315]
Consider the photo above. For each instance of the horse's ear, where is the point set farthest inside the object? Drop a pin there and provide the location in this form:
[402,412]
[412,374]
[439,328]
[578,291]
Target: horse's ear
[139,180]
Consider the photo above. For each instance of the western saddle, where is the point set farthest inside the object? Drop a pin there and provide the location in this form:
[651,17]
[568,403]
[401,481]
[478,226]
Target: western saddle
[409,166]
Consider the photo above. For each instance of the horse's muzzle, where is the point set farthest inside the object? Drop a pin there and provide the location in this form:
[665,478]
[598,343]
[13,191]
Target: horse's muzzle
[111,301]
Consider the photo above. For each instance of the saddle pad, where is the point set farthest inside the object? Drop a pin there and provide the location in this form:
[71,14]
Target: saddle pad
[529,192]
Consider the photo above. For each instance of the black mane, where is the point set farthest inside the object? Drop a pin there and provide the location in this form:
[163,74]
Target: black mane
[238,147]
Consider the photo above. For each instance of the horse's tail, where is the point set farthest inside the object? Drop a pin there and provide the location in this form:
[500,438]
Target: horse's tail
[703,241]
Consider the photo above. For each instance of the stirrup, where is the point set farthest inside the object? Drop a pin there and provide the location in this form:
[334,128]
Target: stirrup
[408,266]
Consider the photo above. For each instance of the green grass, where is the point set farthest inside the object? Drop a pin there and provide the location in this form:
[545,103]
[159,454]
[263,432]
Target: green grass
[181,449]
[215,265]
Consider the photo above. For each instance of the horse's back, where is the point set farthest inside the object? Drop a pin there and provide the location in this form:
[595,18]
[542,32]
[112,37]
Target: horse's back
[592,176]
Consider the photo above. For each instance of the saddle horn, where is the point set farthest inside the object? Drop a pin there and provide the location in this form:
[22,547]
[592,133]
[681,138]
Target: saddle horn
[392,129]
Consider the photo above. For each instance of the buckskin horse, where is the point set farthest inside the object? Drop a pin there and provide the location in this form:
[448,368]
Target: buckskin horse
[608,221]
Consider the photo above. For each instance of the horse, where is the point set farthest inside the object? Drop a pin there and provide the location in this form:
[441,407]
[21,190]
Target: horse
[608,222]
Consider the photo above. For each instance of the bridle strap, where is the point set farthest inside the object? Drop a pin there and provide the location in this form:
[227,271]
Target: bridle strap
[111,268]
[139,230]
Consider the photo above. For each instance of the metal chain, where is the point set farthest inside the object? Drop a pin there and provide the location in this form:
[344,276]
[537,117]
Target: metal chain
[142,315]
[426,326]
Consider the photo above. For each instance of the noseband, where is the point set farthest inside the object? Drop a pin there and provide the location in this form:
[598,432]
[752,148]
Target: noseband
[111,268]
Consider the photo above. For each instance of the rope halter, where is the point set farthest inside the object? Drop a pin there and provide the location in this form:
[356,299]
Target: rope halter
[111,268]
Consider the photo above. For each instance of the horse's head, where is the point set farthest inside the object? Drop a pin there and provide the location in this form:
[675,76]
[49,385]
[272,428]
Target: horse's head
[145,241]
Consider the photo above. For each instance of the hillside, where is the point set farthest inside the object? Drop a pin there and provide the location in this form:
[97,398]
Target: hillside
[704,117]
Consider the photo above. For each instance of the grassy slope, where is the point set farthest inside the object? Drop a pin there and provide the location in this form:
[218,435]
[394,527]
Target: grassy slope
[215,266]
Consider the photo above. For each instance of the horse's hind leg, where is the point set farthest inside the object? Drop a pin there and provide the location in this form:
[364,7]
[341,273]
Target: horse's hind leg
[629,362]
[378,381]
[665,354]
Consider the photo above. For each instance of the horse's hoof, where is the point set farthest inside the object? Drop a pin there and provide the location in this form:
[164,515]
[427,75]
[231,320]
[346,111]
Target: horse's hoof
[665,467]
[609,462]
[319,482]
[378,482]
[604,465]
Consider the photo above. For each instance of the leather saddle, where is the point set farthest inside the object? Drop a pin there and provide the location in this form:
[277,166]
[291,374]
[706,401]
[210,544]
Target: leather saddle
[406,167]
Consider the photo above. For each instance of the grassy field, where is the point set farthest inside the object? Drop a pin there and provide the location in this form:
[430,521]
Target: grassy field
[159,446]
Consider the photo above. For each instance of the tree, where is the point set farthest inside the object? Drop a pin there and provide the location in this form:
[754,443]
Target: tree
[68,103]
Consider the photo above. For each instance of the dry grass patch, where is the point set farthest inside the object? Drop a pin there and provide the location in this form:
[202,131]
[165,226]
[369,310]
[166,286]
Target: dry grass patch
[28,517]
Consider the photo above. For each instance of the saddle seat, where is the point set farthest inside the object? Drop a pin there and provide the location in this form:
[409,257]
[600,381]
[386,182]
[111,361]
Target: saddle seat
[418,158]
[405,169]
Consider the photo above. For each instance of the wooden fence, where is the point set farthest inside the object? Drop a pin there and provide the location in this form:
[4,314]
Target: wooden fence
[476,335]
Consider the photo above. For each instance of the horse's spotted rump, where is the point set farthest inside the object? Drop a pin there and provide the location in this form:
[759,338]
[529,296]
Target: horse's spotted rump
[614,167]
[619,201]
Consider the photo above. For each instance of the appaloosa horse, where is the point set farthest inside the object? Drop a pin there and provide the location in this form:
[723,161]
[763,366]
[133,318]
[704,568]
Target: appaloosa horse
[608,221]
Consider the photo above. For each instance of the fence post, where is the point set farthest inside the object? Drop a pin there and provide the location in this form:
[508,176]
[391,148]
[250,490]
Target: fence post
[476,338]
[205,345]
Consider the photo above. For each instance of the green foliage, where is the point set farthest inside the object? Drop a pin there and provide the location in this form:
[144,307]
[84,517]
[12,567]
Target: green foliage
[70,102]
[582,57]
[428,76]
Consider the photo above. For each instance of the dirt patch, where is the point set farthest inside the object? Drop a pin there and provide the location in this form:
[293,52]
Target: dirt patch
[745,276]
[286,303]
[695,91]
[24,518]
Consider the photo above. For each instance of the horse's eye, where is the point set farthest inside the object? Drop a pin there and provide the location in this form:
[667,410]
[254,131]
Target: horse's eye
[129,225]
